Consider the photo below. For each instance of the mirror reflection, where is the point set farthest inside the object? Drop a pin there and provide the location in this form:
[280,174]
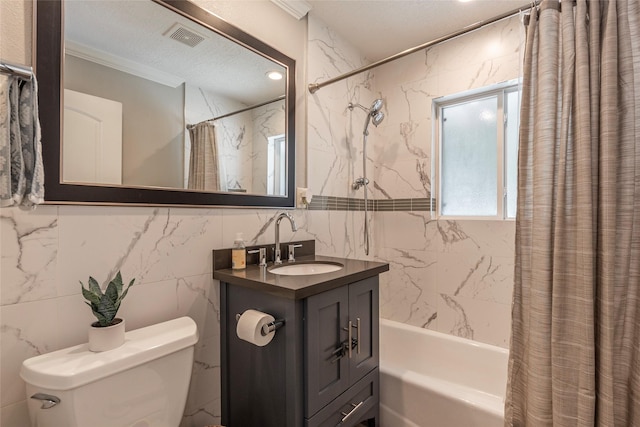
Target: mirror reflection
[152,99]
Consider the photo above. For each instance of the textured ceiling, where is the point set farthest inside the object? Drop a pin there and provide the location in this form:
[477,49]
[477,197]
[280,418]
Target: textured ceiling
[134,30]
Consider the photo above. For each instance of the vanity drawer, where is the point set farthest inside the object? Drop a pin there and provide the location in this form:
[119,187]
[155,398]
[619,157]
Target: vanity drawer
[358,400]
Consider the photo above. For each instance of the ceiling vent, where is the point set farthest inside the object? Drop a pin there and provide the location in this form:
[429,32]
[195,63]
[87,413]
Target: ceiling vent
[184,35]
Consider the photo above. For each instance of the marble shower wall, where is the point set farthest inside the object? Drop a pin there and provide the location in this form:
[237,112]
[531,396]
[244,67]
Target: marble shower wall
[45,253]
[334,137]
[451,276]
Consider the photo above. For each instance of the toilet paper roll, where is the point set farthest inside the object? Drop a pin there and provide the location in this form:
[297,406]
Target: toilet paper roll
[250,327]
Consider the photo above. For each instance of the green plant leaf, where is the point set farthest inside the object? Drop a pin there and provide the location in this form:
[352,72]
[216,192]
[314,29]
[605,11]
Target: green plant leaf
[94,286]
[89,296]
[107,309]
[112,292]
[102,320]
[105,305]
[117,281]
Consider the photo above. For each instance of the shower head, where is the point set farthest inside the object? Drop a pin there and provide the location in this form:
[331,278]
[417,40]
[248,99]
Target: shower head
[375,107]
[373,114]
[378,118]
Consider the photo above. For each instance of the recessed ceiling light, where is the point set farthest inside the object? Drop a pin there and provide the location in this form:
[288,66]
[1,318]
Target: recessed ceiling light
[274,75]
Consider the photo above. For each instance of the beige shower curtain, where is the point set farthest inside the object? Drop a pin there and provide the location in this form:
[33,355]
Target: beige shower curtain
[575,345]
[203,164]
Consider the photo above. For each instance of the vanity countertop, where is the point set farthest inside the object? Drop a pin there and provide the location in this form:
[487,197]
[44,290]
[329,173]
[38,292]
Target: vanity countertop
[298,287]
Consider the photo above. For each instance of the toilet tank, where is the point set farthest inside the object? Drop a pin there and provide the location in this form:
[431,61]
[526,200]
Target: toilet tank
[143,383]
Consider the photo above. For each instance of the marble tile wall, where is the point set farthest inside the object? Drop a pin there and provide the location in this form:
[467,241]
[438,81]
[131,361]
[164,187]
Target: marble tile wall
[451,276]
[334,135]
[45,253]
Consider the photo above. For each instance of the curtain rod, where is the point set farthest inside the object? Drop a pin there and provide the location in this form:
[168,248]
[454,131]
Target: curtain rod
[280,98]
[21,71]
[314,87]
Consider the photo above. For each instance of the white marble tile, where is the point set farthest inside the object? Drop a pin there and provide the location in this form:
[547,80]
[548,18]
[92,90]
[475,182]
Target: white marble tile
[405,179]
[205,378]
[406,230]
[480,277]
[477,236]
[186,296]
[331,175]
[27,330]
[210,326]
[418,66]
[258,226]
[410,101]
[482,321]
[495,41]
[208,415]
[340,233]
[29,250]
[99,241]
[15,415]
[329,54]
[77,317]
[148,244]
[484,74]
[408,292]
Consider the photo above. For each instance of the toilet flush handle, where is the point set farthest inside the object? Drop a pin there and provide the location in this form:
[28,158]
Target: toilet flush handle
[48,401]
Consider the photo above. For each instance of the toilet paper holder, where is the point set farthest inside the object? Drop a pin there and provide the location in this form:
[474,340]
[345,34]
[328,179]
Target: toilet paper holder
[269,327]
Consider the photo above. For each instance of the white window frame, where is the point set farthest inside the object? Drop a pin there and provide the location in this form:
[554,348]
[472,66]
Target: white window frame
[500,90]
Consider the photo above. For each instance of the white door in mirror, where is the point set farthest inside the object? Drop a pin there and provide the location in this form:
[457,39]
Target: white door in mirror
[92,139]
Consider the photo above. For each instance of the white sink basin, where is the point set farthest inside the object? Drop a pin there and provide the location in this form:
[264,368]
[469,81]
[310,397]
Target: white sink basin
[306,268]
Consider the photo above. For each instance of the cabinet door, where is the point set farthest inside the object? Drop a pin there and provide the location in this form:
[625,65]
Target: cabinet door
[325,323]
[364,317]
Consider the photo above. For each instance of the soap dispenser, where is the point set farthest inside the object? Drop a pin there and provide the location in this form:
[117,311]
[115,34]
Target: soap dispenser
[238,253]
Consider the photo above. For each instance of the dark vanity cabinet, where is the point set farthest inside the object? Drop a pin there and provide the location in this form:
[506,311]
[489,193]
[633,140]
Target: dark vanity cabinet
[341,348]
[321,368]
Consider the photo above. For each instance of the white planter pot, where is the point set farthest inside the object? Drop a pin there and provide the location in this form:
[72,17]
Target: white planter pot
[107,337]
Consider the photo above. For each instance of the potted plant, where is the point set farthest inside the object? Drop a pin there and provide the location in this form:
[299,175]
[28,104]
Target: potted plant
[108,331]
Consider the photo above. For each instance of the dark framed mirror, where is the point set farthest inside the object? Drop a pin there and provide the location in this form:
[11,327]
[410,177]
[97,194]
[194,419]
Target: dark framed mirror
[186,97]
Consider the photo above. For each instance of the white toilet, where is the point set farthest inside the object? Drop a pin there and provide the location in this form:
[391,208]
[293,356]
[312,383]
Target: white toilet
[143,383]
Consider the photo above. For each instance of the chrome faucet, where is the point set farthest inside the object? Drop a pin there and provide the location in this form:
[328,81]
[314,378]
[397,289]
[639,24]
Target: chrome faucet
[293,228]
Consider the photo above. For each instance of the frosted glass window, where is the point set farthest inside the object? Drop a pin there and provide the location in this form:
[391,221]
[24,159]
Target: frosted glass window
[469,158]
[476,157]
[511,149]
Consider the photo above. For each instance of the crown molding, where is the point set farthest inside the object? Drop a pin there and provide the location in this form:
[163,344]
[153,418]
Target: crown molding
[125,65]
[297,8]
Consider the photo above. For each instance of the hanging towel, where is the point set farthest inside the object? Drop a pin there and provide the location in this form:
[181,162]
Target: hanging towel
[21,170]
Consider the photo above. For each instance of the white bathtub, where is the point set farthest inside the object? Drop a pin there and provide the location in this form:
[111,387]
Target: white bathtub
[430,379]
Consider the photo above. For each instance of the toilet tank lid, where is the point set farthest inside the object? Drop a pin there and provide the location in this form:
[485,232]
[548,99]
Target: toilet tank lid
[76,366]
